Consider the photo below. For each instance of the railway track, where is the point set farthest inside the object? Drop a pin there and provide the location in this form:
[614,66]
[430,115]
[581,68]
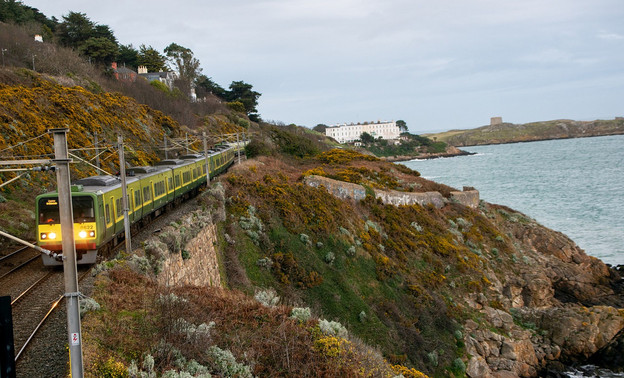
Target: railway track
[17,260]
[29,328]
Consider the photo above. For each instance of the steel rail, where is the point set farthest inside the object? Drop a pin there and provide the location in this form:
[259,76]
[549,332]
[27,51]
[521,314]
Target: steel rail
[19,267]
[21,249]
[14,301]
[47,315]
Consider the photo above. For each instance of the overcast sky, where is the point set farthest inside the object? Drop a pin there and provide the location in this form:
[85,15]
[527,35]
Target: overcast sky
[438,64]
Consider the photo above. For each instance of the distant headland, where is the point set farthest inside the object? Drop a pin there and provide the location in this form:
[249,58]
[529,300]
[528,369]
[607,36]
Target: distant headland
[499,132]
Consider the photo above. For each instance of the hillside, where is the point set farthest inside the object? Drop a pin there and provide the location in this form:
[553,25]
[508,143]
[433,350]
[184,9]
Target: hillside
[357,287]
[32,103]
[513,133]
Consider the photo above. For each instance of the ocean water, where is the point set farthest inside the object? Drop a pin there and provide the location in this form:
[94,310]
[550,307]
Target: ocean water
[575,186]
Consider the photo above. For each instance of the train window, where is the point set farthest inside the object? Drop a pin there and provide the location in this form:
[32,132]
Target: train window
[108,218]
[186,177]
[118,206]
[146,194]
[49,210]
[159,188]
[170,180]
[137,198]
[177,181]
[83,209]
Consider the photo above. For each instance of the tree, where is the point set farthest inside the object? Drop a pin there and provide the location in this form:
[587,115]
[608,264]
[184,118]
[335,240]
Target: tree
[152,59]
[184,61]
[129,56]
[402,125]
[205,85]
[241,91]
[366,138]
[103,31]
[320,128]
[75,29]
[100,49]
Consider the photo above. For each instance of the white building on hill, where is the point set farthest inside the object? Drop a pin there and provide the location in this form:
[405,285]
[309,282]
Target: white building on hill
[346,133]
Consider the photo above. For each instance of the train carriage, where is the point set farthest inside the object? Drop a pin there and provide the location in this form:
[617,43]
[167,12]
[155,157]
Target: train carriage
[98,204]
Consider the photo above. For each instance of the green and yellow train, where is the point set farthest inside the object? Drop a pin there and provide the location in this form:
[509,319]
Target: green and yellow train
[98,206]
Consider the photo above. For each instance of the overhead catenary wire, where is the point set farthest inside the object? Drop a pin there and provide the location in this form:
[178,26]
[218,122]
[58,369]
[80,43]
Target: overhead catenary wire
[86,162]
[24,142]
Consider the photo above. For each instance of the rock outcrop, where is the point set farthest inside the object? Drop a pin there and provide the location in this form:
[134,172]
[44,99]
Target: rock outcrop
[558,306]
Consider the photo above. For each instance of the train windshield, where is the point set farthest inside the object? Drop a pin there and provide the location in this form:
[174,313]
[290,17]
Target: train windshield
[83,209]
[82,206]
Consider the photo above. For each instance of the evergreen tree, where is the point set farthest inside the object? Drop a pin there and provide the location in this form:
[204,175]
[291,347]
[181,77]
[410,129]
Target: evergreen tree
[75,29]
[241,91]
[128,56]
[152,59]
[205,85]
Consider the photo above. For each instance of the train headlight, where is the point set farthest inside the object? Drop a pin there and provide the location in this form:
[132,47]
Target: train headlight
[91,234]
[82,234]
[52,235]
[43,236]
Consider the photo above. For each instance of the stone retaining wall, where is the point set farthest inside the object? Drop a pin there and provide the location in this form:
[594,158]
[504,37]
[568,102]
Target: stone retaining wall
[393,197]
[201,269]
[340,189]
[345,190]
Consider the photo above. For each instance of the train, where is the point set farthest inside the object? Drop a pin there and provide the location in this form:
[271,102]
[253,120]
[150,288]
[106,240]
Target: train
[97,202]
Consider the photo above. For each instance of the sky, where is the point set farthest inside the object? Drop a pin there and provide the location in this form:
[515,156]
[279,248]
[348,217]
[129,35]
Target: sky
[437,65]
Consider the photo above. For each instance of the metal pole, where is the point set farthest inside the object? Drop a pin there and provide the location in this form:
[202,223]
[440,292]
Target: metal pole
[207,160]
[187,144]
[34,61]
[238,148]
[97,152]
[166,152]
[69,251]
[124,193]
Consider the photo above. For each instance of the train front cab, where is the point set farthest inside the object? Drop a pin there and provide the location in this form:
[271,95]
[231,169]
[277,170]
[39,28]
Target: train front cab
[49,234]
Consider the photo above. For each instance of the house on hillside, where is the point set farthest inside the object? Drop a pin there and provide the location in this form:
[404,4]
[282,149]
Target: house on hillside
[166,78]
[347,133]
[123,73]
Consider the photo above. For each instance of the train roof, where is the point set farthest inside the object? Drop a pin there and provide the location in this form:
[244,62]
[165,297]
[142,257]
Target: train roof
[102,183]
[171,162]
[106,180]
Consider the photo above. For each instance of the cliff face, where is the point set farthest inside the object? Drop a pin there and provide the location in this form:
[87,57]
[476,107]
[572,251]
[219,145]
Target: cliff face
[558,305]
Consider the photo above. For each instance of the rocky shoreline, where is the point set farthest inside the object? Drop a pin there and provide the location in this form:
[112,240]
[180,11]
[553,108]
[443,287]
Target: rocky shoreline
[450,151]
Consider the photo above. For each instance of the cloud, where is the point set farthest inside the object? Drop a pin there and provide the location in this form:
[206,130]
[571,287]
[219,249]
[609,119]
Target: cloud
[610,36]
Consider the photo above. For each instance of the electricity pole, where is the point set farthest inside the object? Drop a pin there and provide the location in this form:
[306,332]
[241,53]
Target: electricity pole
[238,148]
[69,250]
[207,160]
[124,193]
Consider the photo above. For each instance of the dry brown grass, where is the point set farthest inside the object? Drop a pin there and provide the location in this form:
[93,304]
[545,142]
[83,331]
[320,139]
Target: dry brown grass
[133,322]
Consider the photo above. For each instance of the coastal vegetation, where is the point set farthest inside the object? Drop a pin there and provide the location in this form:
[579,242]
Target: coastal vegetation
[409,145]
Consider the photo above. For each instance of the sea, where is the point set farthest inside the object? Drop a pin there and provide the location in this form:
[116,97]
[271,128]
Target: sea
[575,186]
